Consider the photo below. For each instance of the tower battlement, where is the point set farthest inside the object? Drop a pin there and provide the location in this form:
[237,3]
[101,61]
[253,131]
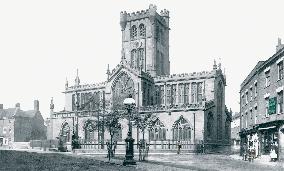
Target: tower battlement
[151,11]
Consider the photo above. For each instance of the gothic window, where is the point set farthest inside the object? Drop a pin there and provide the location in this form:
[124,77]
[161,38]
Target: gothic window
[169,94]
[157,131]
[123,87]
[65,132]
[142,30]
[181,93]
[186,92]
[199,92]
[133,32]
[157,95]
[193,92]
[89,129]
[174,91]
[210,121]
[181,129]
[162,95]
[96,101]
[133,59]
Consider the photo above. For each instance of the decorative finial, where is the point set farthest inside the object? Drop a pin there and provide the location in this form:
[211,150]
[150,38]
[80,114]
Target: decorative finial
[108,72]
[77,80]
[66,83]
[51,104]
[279,41]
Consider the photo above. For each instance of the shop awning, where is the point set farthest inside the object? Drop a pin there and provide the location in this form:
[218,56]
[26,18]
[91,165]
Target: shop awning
[267,128]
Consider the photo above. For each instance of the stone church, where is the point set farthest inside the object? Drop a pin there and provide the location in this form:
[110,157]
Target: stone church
[188,107]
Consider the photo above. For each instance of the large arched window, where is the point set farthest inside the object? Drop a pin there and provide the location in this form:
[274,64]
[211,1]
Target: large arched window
[89,129]
[122,88]
[210,121]
[65,132]
[181,129]
[157,131]
[142,30]
[140,58]
[133,32]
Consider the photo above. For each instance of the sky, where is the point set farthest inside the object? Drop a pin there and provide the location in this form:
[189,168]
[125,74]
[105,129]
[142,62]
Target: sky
[43,42]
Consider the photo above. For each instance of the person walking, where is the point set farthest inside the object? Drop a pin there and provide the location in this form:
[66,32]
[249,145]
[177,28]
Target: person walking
[179,147]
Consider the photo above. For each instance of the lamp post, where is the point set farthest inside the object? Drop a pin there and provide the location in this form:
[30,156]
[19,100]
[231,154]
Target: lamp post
[129,104]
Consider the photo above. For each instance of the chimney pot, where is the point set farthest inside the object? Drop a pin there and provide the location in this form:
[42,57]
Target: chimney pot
[36,105]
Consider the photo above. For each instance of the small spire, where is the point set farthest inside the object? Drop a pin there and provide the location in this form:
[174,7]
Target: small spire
[51,104]
[66,83]
[279,41]
[77,80]
[108,72]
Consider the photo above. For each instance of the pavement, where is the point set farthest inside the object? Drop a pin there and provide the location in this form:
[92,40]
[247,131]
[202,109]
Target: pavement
[170,161]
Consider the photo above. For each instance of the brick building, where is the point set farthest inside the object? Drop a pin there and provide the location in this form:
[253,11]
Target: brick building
[188,107]
[261,98]
[17,125]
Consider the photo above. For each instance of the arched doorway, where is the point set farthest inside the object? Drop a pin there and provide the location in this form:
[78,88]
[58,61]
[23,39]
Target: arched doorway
[65,133]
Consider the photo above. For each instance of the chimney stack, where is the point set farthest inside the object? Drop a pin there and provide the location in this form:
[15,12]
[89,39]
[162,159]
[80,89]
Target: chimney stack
[279,45]
[36,105]
[1,106]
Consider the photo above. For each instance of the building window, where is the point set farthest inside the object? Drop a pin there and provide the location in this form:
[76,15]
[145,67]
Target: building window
[140,58]
[266,107]
[280,70]
[210,121]
[162,95]
[255,89]
[133,32]
[250,118]
[142,30]
[280,102]
[193,92]
[169,94]
[157,131]
[181,93]
[133,58]
[246,97]
[267,79]
[199,92]
[89,129]
[174,91]
[186,92]
[181,130]
[243,102]
[255,114]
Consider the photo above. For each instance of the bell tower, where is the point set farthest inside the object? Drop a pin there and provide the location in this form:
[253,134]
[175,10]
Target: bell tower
[145,40]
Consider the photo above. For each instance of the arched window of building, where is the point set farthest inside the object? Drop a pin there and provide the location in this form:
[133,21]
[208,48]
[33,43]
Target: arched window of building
[65,132]
[193,92]
[181,130]
[210,121]
[157,131]
[133,32]
[142,30]
[133,58]
[89,129]
[122,87]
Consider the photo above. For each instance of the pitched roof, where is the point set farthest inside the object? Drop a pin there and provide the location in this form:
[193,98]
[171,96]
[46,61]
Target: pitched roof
[7,113]
[26,114]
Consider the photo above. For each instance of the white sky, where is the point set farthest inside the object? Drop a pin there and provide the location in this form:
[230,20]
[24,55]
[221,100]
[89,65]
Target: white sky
[43,42]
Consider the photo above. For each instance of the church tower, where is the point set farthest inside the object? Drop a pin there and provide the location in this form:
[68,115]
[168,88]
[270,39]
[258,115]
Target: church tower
[145,40]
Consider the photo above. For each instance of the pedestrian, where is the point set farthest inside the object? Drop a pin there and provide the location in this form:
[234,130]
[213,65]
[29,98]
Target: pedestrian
[140,150]
[108,150]
[179,147]
[245,151]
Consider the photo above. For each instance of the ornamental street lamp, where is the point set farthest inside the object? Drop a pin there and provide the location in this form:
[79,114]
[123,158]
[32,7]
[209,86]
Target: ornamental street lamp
[129,104]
